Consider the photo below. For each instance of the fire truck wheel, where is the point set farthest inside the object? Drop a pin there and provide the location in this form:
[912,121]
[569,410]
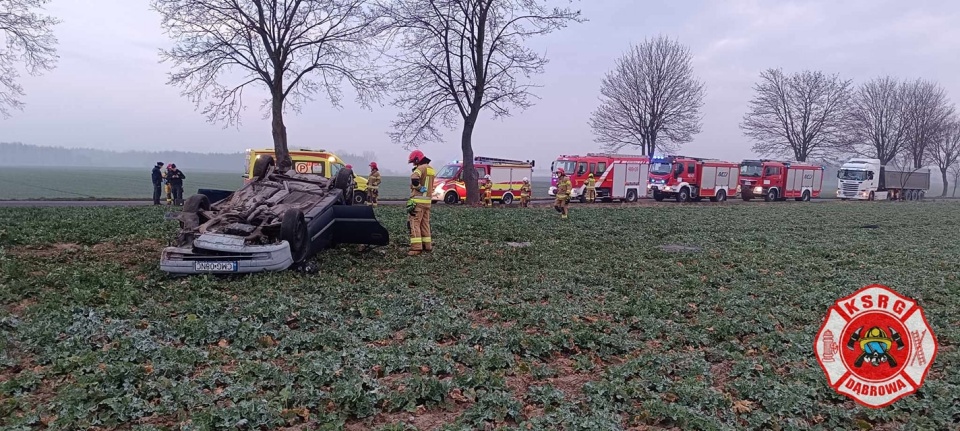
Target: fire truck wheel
[632,196]
[683,195]
[745,198]
[721,196]
[871,196]
[771,195]
[657,196]
[507,199]
[583,198]
[451,198]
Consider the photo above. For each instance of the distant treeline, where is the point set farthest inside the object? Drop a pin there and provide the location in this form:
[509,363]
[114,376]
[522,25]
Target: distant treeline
[24,155]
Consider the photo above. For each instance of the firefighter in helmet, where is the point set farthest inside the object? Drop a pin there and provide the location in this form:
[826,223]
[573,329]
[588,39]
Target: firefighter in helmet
[564,187]
[525,192]
[418,207]
[487,187]
[591,185]
[167,187]
[373,184]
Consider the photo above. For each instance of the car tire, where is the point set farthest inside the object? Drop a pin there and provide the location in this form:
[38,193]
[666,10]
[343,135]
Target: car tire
[261,166]
[507,198]
[451,198]
[359,198]
[342,181]
[196,203]
[293,230]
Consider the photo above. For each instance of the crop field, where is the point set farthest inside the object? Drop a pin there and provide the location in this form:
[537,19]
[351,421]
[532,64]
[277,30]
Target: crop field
[517,321]
[78,183]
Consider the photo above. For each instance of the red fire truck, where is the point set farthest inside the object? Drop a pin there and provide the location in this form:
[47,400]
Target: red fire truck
[506,175]
[778,181]
[617,176]
[691,178]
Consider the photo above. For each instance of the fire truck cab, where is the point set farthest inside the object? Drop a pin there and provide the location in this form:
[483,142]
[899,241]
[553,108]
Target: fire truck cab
[778,180]
[692,179]
[506,175]
[618,176]
[320,162]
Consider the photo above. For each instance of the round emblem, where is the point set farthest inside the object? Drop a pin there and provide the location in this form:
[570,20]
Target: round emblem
[302,167]
[875,346]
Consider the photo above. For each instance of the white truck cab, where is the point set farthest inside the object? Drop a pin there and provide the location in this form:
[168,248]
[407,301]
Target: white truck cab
[860,179]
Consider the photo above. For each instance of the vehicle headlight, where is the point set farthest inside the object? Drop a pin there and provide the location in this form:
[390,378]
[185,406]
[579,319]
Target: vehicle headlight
[758,190]
[666,188]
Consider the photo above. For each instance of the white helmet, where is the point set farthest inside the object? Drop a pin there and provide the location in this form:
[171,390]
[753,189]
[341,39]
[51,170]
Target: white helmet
[526,180]
[486,177]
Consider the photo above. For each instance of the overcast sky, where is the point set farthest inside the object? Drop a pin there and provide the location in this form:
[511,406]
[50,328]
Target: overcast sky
[109,90]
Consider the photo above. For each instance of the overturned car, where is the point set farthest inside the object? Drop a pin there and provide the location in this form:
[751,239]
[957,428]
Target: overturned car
[276,221]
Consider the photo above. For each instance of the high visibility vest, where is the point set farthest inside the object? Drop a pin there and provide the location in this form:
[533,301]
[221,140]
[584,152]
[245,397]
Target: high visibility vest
[591,183]
[564,187]
[425,174]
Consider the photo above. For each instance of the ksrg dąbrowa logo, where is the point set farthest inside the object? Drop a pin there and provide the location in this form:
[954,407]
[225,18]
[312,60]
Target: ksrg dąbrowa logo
[875,346]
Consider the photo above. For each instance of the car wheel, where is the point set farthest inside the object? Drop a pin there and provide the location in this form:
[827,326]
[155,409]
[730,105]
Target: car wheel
[261,166]
[293,230]
[451,198]
[359,198]
[507,199]
[190,215]
[631,195]
[343,181]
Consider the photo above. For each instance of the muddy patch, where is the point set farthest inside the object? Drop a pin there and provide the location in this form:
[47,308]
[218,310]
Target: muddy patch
[129,254]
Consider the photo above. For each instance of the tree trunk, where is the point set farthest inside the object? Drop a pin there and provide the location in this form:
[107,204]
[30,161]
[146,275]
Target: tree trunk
[470,178]
[281,152]
[943,174]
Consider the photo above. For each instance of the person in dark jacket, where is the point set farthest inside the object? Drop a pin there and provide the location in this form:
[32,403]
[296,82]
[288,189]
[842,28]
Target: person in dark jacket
[157,177]
[176,177]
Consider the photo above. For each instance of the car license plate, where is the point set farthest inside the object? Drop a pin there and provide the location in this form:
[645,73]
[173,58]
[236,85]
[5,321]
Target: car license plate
[215,266]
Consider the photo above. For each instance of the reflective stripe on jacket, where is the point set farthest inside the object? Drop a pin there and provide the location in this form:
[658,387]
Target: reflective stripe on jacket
[425,174]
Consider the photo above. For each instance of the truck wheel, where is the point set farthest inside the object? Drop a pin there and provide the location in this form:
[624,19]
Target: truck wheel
[631,195]
[771,196]
[922,194]
[261,166]
[746,198]
[507,198]
[293,230]
[806,196]
[871,196]
[657,196]
[683,195]
[721,196]
[359,198]
[583,198]
[451,198]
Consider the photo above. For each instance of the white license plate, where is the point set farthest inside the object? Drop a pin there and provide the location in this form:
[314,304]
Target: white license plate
[215,266]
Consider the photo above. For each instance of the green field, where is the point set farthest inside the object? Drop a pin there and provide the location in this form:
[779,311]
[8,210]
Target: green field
[588,326]
[75,183]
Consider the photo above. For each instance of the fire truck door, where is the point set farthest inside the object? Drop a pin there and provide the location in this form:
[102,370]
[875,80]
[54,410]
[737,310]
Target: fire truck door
[618,189]
[709,180]
[817,180]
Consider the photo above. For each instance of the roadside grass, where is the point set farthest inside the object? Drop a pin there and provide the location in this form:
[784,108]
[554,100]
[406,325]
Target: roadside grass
[108,183]
[590,326]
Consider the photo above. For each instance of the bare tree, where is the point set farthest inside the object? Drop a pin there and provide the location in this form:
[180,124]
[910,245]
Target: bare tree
[26,37]
[799,116]
[928,112]
[294,48]
[650,100]
[945,150]
[454,59]
[876,123]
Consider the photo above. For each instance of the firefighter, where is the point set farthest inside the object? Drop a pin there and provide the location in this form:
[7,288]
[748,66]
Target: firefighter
[591,189]
[487,188]
[373,184]
[421,184]
[564,187]
[168,188]
[525,192]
